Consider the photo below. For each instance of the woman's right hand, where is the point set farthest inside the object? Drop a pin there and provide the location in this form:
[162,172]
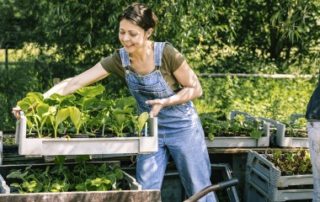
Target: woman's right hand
[16,111]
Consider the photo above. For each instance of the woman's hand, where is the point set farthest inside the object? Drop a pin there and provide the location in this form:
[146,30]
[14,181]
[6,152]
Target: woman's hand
[16,111]
[156,106]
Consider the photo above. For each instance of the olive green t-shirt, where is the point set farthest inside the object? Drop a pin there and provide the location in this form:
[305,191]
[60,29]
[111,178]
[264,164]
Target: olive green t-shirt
[171,61]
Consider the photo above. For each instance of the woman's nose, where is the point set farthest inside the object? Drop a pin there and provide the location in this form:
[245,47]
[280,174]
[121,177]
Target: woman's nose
[125,37]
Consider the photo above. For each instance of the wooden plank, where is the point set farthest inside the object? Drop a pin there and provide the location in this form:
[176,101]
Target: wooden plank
[136,196]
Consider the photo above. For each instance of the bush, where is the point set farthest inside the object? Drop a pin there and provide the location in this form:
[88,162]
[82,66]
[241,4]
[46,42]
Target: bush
[266,97]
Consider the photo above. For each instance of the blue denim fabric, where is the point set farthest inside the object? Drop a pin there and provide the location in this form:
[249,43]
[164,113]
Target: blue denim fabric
[314,147]
[179,130]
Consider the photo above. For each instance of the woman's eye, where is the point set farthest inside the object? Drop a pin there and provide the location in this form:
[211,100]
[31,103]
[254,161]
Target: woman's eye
[130,34]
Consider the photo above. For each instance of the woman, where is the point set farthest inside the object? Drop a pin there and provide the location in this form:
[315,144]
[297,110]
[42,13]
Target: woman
[163,84]
[313,128]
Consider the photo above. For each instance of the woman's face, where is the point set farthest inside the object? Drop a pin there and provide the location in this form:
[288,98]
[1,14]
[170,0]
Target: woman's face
[131,36]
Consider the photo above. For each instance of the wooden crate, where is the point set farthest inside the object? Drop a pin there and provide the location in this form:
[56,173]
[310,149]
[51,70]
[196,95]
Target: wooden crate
[264,182]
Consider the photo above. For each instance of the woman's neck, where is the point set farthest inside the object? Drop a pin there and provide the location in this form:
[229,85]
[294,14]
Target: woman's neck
[142,53]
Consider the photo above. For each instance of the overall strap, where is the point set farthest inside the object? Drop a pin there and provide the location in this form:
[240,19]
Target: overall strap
[125,60]
[158,51]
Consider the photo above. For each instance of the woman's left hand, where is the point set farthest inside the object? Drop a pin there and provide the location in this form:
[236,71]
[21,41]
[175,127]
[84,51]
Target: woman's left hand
[157,105]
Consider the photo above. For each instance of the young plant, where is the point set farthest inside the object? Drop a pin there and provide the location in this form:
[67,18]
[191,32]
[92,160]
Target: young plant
[82,176]
[239,126]
[87,111]
[296,127]
[34,108]
[140,121]
[61,116]
[120,116]
[291,163]
[75,116]
[29,183]
[119,121]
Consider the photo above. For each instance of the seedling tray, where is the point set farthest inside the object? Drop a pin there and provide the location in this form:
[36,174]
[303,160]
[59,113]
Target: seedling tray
[264,182]
[282,141]
[8,143]
[113,146]
[237,141]
[135,192]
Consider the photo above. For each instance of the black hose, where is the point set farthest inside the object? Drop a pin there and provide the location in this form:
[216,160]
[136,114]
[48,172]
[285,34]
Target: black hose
[211,188]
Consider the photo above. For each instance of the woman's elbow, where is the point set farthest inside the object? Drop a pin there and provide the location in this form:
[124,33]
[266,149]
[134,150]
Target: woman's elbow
[199,92]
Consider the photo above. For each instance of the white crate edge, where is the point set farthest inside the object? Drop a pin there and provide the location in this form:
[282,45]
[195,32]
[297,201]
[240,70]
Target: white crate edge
[238,142]
[4,189]
[86,146]
[282,140]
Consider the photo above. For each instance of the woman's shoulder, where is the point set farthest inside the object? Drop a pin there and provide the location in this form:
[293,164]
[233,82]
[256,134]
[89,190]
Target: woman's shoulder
[111,59]
[112,63]
[172,58]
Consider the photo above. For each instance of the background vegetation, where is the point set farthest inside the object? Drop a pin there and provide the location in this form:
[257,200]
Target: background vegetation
[57,39]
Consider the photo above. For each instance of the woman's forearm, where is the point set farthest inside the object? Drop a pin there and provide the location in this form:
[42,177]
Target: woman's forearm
[184,95]
[58,88]
[70,85]
[65,87]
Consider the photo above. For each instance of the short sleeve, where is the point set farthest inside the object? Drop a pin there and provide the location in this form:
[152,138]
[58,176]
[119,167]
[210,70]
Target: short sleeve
[173,57]
[112,64]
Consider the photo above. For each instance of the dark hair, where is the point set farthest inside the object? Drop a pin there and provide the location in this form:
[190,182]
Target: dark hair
[140,15]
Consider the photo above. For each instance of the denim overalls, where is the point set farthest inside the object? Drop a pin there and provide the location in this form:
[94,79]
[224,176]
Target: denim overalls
[313,127]
[179,130]
[314,147]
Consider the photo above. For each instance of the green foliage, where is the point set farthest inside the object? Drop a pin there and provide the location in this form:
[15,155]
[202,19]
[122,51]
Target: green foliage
[14,85]
[279,36]
[82,176]
[261,97]
[18,22]
[291,163]
[86,111]
[278,27]
[122,118]
[296,126]
[237,127]
[8,140]
[209,33]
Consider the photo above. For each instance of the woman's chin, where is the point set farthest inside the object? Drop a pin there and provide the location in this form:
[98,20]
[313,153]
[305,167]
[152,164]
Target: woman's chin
[129,49]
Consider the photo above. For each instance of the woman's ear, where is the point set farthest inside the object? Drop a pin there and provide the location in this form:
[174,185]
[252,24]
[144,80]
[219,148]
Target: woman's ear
[149,32]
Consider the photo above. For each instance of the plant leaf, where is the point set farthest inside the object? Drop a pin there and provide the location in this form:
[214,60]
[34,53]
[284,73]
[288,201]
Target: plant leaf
[91,91]
[75,116]
[62,115]
[142,119]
